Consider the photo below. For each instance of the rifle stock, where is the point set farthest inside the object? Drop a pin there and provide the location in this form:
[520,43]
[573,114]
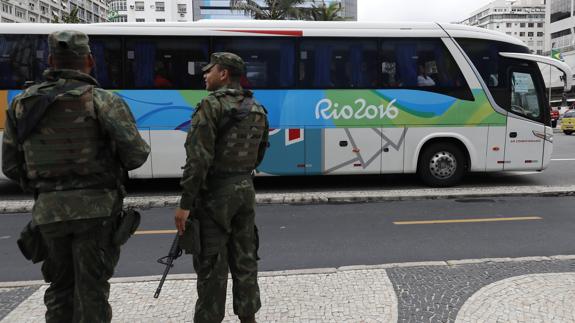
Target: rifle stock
[175,252]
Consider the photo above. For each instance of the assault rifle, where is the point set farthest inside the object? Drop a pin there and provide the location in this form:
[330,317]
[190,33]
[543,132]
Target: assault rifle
[175,252]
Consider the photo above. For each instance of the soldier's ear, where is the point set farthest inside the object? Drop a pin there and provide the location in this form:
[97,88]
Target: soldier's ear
[90,61]
[225,74]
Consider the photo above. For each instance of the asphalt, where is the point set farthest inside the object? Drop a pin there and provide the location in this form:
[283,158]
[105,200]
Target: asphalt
[531,289]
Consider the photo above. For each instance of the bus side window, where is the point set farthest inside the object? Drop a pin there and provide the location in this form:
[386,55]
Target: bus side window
[492,68]
[422,64]
[107,54]
[338,63]
[165,63]
[22,58]
[270,61]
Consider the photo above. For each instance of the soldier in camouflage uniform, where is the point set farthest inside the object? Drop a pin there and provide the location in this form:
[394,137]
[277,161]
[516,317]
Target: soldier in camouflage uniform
[226,142]
[71,142]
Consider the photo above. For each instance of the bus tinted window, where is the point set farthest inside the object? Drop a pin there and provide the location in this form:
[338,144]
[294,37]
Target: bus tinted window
[493,68]
[270,62]
[107,52]
[338,63]
[22,58]
[423,64]
[165,63]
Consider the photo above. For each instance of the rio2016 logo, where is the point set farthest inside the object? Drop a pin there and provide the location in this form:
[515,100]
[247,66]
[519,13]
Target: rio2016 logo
[326,109]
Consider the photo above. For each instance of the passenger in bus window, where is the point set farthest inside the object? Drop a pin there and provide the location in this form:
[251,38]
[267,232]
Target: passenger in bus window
[161,80]
[422,78]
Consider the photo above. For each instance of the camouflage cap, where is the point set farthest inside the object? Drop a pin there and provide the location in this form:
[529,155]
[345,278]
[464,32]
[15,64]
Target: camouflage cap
[225,59]
[68,42]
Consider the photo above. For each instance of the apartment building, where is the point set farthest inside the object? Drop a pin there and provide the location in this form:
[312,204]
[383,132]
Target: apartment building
[45,11]
[522,19]
[220,9]
[560,20]
[90,11]
[151,10]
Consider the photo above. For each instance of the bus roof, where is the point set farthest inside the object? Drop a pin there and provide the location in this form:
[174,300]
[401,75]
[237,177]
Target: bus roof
[284,28]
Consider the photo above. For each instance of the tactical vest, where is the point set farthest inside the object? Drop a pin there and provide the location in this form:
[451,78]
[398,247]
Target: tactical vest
[237,148]
[67,142]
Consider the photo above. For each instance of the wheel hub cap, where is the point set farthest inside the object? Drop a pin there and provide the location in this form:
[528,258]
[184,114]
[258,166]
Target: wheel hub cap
[443,164]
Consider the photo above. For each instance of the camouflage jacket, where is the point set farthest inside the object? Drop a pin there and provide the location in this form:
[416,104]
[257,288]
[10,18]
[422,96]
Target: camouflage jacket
[201,144]
[118,125]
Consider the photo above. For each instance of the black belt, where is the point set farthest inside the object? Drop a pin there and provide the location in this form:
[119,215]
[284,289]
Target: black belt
[223,179]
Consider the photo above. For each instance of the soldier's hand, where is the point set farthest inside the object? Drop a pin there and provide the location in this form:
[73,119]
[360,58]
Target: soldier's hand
[181,217]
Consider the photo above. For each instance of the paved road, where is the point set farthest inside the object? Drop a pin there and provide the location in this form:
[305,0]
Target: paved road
[317,236]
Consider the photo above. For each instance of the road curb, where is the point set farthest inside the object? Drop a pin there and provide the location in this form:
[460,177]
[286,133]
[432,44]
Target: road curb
[320,271]
[339,197]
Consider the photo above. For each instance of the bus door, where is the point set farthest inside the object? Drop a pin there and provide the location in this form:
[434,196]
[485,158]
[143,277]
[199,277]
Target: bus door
[529,141]
[392,149]
[525,134]
[352,151]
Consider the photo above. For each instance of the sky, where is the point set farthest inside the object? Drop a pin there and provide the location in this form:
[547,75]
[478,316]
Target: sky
[417,10]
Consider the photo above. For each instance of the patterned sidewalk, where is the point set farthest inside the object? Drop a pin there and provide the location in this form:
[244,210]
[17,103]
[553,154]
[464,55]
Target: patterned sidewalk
[536,289]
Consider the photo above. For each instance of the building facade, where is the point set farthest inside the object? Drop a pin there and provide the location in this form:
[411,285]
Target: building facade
[220,9]
[90,11]
[560,19]
[151,10]
[45,11]
[522,19]
[32,10]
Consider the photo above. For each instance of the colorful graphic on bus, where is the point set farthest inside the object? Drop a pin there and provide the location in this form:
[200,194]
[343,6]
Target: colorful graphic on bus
[324,108]
[298,117]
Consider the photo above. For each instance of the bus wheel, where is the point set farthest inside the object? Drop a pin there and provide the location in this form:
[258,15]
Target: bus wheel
[567,132]
[441,164]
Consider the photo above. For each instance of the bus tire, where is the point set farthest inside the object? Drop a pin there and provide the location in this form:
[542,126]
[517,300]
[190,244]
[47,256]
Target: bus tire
[441,164]
[567,132]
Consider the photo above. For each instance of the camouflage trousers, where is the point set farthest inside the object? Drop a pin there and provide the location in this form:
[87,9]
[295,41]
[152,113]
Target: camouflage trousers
[81,259]
[228,238]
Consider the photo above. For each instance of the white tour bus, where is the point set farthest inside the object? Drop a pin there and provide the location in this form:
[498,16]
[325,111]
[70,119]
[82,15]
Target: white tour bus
[343,97]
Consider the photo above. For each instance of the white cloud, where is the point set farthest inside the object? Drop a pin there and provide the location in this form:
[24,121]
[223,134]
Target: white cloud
[417,10]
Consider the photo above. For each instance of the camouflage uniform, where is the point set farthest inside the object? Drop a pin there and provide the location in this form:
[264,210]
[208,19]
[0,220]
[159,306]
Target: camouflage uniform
[73,159]
[217,181]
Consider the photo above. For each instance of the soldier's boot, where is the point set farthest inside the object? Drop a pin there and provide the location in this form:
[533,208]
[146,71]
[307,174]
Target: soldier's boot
[248,319]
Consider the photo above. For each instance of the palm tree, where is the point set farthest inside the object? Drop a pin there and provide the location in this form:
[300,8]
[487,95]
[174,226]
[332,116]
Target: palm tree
[71,18]
[325,12]
[270,10]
